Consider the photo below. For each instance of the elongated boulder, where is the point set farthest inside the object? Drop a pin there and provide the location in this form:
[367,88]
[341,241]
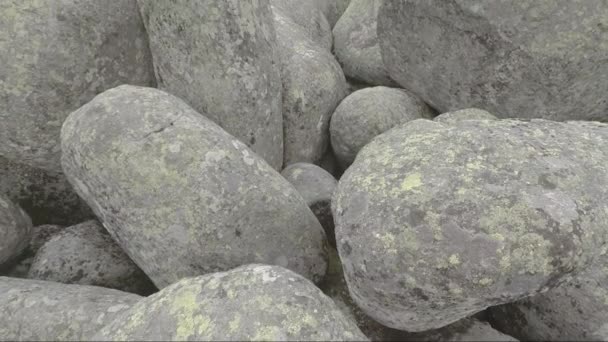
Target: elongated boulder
[313,85]
[220,57]
[356,43]
[34,310]
[61,56]
[15,230]
[180,195]
[531,58]
[435,222]
[253,302]
[308,16]
[85,254]
[464,114]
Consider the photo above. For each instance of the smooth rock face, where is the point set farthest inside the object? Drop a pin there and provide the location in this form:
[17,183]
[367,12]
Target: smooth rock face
[85,254]
[464,114]
[220,57]
[356,43]
[33,310]
[254,302]
[61,56]
[368,112]
[15,230]
[317,188]
[308,16]
[180,195]
[313,85]
[530,58]
[436,222]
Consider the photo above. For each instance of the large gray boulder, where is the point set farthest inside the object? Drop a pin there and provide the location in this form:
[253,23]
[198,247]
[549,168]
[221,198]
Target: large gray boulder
[309,17]
[356,44]
[180,195]
[220,56]
[514,58]
[58,57]
[367,113]
[34,310]
[253,302]
[313,85]
[435,222]
[15,230]
[85,254]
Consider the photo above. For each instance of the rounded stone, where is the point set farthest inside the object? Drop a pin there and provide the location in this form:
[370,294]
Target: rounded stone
[34,310]
[307,15]
[180,195]
[356,44]
[85,254]
[15,230]
[220,56]
[526,59]
[42,234]
[313,85]
[254,302]
[61,56]
[368,112]
[436,222]
[464,114]
[317,188]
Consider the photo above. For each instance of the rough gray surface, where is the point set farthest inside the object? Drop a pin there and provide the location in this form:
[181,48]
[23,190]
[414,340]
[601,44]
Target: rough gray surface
[317,188]
[464,114]
[34,310]
[307,15]
[61,56]
[15,230]
[254,302]
[515,58]
[313,85]
[333,9]
[85,254]
[356,44]
[220,57]
[41,234]
[180,195]
[575,311]
[435,222]
[368,112]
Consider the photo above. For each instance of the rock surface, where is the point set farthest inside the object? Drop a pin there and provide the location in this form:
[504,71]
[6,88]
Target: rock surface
[34,310]
[41,235]
[317,188]
[313,85]
[85,254]
[531,58]
[254,302]
[356,43]
[180,195]
[369,112]
[308,16]
[220,56]
[464,114]
[333,9]
[435,222]
[15,230]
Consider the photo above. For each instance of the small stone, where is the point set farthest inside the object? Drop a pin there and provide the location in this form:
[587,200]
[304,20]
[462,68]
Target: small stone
[464,114]
[15,230]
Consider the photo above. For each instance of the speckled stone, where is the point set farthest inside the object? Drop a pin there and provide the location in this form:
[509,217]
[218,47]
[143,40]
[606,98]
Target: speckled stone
[308,16]
[41,234]
[15,230]
[317,188]
[180,195]
[249,303]
[34,310]
[220,56]
[368,112]
[313,85]
[436,222]
[514,58]
[85,254]
[356,44]
[59,57]
[464,114]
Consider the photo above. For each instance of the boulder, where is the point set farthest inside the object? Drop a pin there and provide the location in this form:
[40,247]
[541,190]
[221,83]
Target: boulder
[253,302]
[15,230]
[317,188]
[436,222]
[356,43]
[526,59]
[369,112]
[34,310]
[220,56]
[85,254]
[464,114]
[308,16]
[180,195]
